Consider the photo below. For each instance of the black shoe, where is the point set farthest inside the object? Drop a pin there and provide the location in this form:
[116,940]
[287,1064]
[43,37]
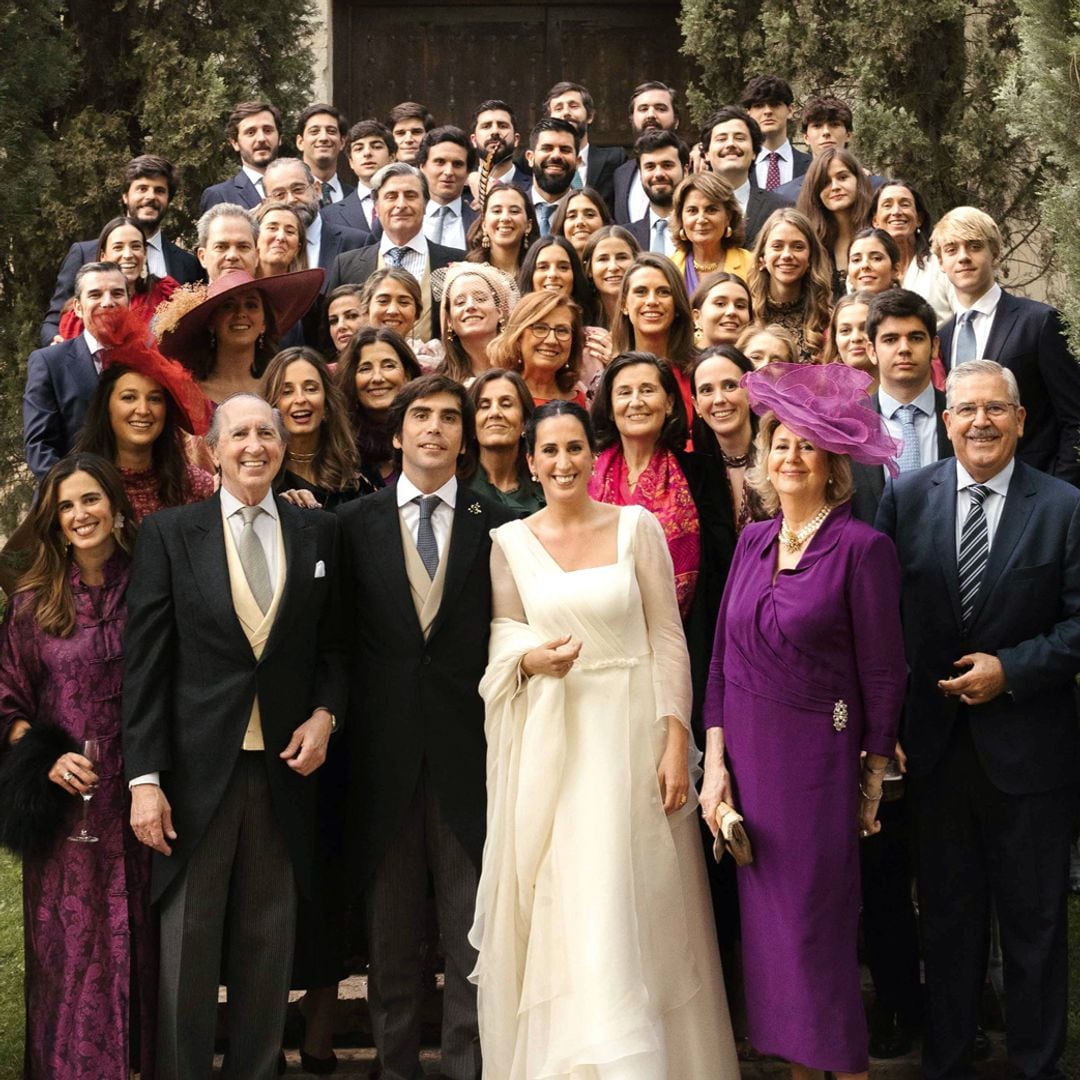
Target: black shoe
[317,1065]
[887,1038]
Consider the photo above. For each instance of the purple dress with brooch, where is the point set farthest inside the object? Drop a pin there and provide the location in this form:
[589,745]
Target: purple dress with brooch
[807,671]
[91,953]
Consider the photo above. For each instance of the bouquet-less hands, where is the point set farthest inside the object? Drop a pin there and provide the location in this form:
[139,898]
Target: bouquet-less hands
[555,658]
[870,782]
[673,773]
[716,783]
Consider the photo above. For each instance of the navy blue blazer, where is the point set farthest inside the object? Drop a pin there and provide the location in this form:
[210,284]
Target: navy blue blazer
[180,265]
[59,382]
[350,214]
[1027,613]
[640,231]
[1027,337]
[758,208]
[336,239]
[237,189]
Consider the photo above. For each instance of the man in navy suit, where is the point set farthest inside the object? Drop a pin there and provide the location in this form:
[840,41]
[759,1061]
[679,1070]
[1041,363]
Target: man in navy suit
[60,378]
[652,108]
[552,156]
[370,147]
[445,158]
[596,164]
[254,132]
[1023,335]
[730,144]
[768,99]
[147,185]
[990,553]
[494,127]
[289,180]
[227,240]
[663,161]
[320,136]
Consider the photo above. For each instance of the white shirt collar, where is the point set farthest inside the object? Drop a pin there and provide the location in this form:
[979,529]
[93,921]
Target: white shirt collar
[999,483]
[783,151]
[925,401]
[434,207]
[230,504]
[314,230]
[92,342]
[538,197]
[407,491]
[742,194]
[987,303]
[418,244]
[254,176]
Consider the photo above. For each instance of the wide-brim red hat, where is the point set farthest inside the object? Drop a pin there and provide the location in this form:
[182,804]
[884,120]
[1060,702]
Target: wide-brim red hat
[127,343]
[182,323]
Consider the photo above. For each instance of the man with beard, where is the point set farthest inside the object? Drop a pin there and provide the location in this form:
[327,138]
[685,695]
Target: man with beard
[320,137]
[494,127]
[371,146]
[553,157]
[663,160]
[730,143]
[652,107]
[444,157]
[289,180]
[254,132]
[148,185]
[596,164]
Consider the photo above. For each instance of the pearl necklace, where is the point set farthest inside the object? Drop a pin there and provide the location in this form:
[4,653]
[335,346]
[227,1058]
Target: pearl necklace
[794,541]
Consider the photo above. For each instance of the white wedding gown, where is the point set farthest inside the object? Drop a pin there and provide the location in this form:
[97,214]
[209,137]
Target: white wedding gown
[598,956]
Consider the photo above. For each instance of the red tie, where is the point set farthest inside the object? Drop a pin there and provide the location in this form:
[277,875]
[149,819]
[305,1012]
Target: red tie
[772,177]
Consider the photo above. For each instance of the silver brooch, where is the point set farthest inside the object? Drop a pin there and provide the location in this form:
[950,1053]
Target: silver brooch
[839,715]
[475,508]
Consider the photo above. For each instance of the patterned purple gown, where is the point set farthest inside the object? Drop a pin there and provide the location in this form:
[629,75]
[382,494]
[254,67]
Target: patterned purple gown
[91,953]
[807,671]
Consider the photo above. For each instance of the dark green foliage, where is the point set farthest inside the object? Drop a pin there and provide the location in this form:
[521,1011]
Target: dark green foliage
[86,85]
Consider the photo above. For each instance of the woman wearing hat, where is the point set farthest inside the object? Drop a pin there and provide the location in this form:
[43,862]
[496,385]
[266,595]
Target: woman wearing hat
[476,303]
[139,409]
[804,696]
[226,333]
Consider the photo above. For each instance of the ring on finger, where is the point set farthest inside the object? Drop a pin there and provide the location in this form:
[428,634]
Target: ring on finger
[68,776]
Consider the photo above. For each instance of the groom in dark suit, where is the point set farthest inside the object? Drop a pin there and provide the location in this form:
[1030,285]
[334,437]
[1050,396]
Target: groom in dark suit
[233,681]
[990,552]
[418,556]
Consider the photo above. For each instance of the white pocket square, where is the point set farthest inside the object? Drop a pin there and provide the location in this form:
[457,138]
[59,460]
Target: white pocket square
[320,569]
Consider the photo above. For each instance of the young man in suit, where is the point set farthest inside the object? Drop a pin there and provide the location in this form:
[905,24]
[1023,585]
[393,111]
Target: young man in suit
[147,186]
[320,137]
[494,126]
[552,156]
[233,684]
[663,161]
[901,341]
[730,144]
[401,195]
[60,378]
[1023,335]
[289,180]
[445,158]
[652,108]
[768,99]
[408,122]
[596,164]
[417,555]
[370,147]
[990,553]
[254,132]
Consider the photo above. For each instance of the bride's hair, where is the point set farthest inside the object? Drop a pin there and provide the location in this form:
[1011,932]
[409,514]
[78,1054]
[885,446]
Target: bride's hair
[558,407]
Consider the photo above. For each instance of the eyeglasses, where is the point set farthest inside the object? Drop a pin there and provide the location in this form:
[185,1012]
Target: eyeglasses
[995,410]
[541,331]
[297,189]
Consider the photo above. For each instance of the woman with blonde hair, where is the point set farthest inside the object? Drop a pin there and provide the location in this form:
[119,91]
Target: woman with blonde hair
[791,281]
[772,344]
[476,302]
[708,229]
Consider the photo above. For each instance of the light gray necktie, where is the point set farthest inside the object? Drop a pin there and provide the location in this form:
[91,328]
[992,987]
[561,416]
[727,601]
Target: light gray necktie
[545,211]
[965,341]
[441,216]
[253,559]
[426,546]
[910,457]
[659,231]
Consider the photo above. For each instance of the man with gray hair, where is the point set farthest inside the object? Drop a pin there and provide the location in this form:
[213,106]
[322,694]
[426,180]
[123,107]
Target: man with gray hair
[233,683]
[401,194]
[291,181]
[990,552]
[227,240]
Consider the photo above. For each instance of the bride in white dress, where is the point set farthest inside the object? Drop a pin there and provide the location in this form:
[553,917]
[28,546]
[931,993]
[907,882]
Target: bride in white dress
[598,956]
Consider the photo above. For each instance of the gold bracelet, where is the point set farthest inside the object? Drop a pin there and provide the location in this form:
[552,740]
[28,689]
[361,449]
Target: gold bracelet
[869,798]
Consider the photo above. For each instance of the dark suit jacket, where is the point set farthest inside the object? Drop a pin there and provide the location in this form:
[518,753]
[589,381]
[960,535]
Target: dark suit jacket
[603,162]
[59,382]
[625,177]
[190,676]
[1027,338]
[1027,613]
[337,239]
[800,162]
[641,231]
[415,703]
[791,189]
[758,207]
[870,479]
[350,214]
[237,189]
[180,265]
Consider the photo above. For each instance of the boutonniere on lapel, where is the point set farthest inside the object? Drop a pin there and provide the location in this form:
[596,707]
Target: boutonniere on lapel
[474,508]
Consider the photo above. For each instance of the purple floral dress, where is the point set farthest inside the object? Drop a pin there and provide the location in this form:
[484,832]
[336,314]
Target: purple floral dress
[91,951]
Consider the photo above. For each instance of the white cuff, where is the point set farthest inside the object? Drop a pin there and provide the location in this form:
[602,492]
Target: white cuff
[146,778]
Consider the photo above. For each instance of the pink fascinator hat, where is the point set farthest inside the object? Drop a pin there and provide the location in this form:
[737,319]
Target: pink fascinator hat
[827,404]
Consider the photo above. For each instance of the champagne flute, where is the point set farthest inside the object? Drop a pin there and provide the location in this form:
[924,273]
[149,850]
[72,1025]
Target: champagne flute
[92,752]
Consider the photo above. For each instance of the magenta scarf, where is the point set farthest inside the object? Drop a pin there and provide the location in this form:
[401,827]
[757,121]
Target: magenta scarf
[662,489]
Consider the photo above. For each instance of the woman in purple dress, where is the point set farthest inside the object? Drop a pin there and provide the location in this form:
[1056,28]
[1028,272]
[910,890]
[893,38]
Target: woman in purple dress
[91,977]
[803,701]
